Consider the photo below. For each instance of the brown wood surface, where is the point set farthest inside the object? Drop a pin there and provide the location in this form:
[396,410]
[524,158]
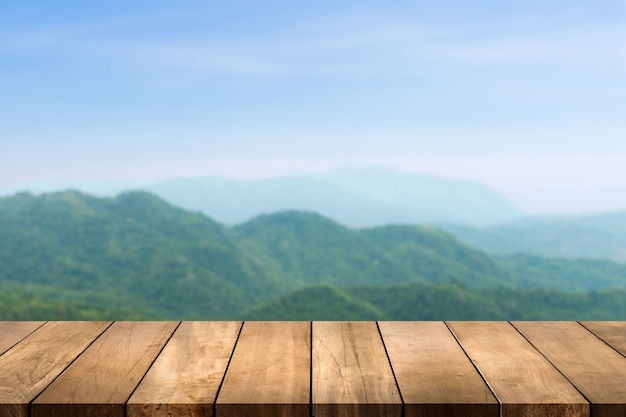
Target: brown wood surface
[102,379]
[351,372]
[11,332]
[30,366]
[141,369]
[524,382]
[596,369]
[435,376]
[269,373]
[612,332]
[184,379]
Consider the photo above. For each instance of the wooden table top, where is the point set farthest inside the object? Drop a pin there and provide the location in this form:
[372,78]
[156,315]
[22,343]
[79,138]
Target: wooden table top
[303,369]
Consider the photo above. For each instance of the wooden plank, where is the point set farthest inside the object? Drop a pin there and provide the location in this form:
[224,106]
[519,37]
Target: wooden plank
[435,376]
[102,379]
[187,374]
[31,365]
[269,373]
[596,369]
[524,382]
[612,332]
[11,332]
[351,372]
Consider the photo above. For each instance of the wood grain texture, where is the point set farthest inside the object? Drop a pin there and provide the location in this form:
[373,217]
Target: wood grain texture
[435,376]
[524,382]
[612,332]
[102,379]
[30,366]
[11,332]
[351,372]
[269,373]
[187,374]
[596,369]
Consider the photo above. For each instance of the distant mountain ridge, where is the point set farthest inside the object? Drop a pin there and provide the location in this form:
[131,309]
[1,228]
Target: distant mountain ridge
[367,196]
[595,236]
[78,256]
[354,196]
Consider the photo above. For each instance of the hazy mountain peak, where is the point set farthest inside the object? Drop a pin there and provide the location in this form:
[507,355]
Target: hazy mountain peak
[354,196]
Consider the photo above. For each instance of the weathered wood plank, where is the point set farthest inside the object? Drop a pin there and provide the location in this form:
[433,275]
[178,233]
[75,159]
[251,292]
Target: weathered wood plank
[11,332]
[612,332]
[435,376]
[524,382]
[597,370]
[187,374]
[31,365]
[102,379]
[269,373]
[351,372]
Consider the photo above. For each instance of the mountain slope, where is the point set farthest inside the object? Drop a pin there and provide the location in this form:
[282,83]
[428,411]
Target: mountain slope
[134,244]
[313,303]
[309,249]
[418,301]
[140,256]
[45,303]
[599,236]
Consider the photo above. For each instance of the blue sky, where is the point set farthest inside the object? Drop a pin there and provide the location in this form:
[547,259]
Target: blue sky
[528,97]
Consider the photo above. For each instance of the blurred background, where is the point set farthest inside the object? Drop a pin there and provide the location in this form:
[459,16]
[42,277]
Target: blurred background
[224,154]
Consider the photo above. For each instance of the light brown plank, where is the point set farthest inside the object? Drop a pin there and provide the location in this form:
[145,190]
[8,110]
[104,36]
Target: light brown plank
[102,379]
[185,377]
[11,332]
[524,382]
[435,376]
[597,370]
[31,365]
[612,332]
[351,372]
[269,373]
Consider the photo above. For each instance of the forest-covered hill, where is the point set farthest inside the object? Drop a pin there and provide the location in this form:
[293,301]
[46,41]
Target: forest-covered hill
[71,255]
[419,301]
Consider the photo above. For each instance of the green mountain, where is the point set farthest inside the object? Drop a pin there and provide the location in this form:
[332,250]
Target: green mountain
[599,236]
[136,246]
[314,303]
[70,255]
[45,303]
[418,301]
[309,249]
